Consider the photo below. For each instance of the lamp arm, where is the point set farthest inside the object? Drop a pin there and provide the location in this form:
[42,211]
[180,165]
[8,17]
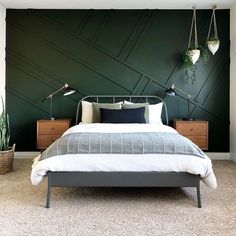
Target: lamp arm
[188,95]
[52,94]
[57,91]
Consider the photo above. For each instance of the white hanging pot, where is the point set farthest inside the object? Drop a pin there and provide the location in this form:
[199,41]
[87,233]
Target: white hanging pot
[213,45]
[194,55]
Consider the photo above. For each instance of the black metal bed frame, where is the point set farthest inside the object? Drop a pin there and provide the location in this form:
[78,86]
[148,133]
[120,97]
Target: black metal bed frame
[118,98]
[121,179]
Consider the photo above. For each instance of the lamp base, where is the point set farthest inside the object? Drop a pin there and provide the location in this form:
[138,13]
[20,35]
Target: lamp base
[188,118]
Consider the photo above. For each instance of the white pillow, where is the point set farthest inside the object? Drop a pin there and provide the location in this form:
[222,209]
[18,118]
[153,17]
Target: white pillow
[127,102]
[155,111]
[87,112]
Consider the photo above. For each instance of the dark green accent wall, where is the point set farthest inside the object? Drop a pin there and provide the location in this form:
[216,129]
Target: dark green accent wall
[111,52]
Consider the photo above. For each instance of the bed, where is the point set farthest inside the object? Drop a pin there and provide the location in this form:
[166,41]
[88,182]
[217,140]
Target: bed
[123,154]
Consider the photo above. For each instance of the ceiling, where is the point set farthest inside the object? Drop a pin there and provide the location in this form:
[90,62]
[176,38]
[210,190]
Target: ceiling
[117,4]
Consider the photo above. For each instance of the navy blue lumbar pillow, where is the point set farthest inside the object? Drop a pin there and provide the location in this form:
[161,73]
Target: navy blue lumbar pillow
[123,116]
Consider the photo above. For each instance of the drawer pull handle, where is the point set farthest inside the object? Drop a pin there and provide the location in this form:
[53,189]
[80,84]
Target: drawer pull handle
[191,129]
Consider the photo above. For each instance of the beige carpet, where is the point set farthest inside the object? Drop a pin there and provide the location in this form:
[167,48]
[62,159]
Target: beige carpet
[101,211]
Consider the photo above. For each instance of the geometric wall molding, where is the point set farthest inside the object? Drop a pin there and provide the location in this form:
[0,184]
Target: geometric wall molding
[111,52]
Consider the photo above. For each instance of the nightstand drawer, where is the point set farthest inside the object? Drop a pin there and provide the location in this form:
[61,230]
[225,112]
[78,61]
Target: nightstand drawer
[46,140]
[52,128]
[192,128]
[196,131]
[201,141]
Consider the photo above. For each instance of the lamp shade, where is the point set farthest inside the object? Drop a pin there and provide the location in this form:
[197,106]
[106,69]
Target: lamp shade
[170,91]
[68,91]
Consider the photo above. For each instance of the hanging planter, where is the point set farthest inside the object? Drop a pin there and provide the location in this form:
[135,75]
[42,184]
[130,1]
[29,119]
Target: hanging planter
[192,54]
[213,43]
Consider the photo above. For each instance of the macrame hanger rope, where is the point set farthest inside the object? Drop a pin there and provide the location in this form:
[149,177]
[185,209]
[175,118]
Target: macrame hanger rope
[195,27]
[213,19]
[190,35]
[194,24]
[215,27]
[209,31]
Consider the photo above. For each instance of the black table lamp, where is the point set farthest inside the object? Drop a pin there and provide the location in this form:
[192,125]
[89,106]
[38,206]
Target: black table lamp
[171,92]
[66,91]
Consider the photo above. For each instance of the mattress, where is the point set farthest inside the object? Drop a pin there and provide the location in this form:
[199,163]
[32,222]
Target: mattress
[124,162]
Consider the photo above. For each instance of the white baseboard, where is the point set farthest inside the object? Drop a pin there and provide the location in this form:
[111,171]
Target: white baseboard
[26,155]
[218,155]
[212,155]
[232,157]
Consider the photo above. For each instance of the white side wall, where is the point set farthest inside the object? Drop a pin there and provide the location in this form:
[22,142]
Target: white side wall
[233,83]
[2,52]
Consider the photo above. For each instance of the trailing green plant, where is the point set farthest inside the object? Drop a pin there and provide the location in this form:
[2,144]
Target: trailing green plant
[204,53]
[190,73]
[187,57]
[4,129]
[190,68]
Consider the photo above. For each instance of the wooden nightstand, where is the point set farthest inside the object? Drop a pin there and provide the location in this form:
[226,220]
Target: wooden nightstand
[196,131]
[50,130]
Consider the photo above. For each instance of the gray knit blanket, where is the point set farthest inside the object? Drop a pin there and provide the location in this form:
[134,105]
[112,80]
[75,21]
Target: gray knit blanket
[122,143]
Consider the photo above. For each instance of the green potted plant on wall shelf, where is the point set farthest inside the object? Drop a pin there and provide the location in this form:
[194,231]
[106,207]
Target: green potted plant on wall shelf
[213,45]
[6,152]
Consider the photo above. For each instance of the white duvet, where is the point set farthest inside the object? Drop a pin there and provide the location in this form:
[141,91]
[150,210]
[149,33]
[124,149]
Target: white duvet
[124,162]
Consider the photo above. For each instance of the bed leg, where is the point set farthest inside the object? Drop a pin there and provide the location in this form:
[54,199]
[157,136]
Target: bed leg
[199,204]
[49,191]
